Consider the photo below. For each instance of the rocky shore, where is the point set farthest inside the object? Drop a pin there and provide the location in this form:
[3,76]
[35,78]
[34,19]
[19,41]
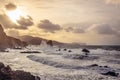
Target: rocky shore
[6,73]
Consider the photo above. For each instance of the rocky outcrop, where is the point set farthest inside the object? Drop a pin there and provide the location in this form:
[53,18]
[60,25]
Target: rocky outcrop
[6,73]
[3,38]
[9,42]
[50,42]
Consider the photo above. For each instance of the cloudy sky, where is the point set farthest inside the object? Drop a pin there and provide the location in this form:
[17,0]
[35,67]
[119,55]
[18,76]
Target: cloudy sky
[82,21]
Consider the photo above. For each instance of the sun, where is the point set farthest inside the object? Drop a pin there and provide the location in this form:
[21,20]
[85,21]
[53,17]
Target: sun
[15,15]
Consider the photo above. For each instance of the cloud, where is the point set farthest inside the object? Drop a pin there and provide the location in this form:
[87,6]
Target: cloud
[12,32]
[113,1]
[74,30]
[69,29]
[23,23]
[48,26]
[78,30]
[10,6]
[101,29]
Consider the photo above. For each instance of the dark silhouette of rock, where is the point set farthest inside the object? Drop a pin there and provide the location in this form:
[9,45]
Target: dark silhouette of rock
[69,51]
[9,42]
[111,73]
[93,65]
[30,52]
[6,73]
[59,50]
[25,75]
[86,51]
[106,66]
[1,65]
[50,42]
[65,49]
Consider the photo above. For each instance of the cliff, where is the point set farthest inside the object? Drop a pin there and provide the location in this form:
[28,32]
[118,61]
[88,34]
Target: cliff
[9,42]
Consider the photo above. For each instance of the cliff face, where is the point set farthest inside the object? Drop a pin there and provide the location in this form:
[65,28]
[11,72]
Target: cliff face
[9,42]
[3,38]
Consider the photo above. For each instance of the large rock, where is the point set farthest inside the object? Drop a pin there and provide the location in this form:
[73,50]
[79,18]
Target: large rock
[9,42]
[6,73]
[3,38]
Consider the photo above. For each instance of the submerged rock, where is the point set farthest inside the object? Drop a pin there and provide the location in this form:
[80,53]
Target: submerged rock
[6,73]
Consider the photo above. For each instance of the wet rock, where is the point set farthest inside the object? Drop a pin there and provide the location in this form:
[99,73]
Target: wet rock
[93,65]
[6,73]
[86,51]
[111,73]
[30,52]
[65,49]
[25,75]
[106,66]
[50,42]
[69,51]
[59,50]
[1,65]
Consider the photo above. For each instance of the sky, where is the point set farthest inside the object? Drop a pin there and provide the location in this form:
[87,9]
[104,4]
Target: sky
[95,22]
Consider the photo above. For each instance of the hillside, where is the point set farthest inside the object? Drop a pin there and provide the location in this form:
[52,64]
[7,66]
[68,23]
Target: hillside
[37,41]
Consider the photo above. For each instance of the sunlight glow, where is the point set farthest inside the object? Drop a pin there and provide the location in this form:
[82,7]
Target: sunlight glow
[15,15]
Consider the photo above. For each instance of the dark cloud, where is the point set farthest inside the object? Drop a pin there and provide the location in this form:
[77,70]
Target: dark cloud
[48,26]
[74,30]
[23,23]
[10,6]
[102,29]
[69,29]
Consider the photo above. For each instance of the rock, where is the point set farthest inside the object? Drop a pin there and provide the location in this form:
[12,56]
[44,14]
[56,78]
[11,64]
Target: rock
[59,50]
[106,66]
[1,65]
[93,65]
[6,73]
[69,51]
[86,51]
[30,52]
[50,42]
[25,75]
[65,49]
[9,42]
[111,73]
